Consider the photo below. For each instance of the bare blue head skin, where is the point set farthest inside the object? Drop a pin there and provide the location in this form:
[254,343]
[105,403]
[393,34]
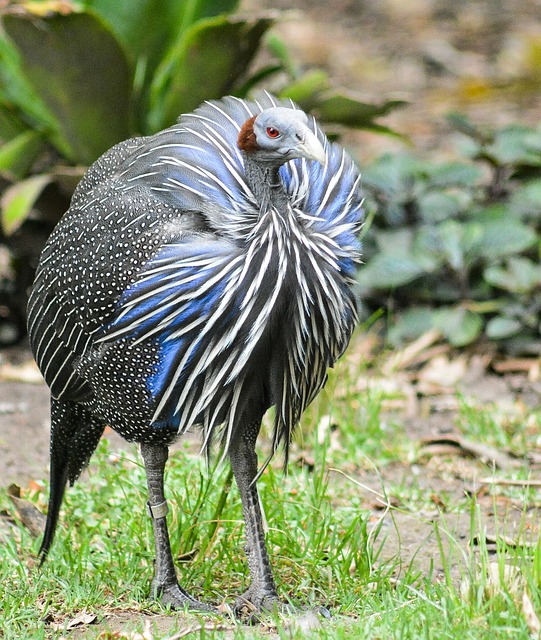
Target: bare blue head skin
[279,134]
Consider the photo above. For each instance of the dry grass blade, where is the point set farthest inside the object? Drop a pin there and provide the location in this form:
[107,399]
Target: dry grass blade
[411,353]
[530,616]
[512,543]
[531,366]
[511,483]
[484,452]
[198,628]
[129,635]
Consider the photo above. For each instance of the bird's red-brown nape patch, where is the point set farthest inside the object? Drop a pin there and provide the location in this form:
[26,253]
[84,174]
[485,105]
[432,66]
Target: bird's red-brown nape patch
[246,140]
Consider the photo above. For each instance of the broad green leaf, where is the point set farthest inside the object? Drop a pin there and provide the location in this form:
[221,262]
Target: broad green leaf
[144,27]
[450,234]
[18,200]
[393,173]
[397,242]
[504,237]
[306,86]
[148,28]
[427,249]
[512,145]
[490,213]
[521,275]
[411,324]
[195,10]
[436,206]
[455,173]
[17,155]
[385,271]
[533,140]
[206,64]
[11,125]
[279,50]
[502,327]
[82,75]
[20,98]
[460,326]
[467,147]
[526,199]
[462,123]
[257,79]
[349,111]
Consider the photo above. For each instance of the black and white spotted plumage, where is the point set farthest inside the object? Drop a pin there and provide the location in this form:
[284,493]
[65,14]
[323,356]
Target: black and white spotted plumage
[165,260]
[181,288]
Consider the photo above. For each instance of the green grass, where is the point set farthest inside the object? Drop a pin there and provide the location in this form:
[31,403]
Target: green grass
[511,426]
[325,537]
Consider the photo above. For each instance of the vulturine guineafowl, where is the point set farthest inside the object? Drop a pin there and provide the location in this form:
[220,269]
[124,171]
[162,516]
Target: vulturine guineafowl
[200,276]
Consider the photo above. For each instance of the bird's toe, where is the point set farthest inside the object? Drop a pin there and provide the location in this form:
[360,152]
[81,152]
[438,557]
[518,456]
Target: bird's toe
[250,605]
[176,598]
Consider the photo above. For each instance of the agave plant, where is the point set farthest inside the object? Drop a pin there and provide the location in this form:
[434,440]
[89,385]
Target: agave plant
[75,78]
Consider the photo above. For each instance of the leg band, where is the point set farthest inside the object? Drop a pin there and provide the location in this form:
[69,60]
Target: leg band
[157,510]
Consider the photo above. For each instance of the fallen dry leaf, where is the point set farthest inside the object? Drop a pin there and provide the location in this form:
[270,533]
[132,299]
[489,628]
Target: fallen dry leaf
[82,619]
[503,579]
[441,375]
[129,635]
[327,428]
[6,526]
[435,498]
[531,366]
[36,486]
[304,623]
[29,514]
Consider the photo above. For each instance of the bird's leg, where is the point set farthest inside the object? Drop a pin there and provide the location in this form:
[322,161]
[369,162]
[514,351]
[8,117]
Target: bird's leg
[165,586]
[261,594]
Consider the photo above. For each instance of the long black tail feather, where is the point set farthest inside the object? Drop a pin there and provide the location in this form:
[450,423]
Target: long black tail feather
[75,434]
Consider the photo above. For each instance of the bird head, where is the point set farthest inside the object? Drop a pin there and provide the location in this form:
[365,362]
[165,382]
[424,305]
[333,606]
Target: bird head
[277,135]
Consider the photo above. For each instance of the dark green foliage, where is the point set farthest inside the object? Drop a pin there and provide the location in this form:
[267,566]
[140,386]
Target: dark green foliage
[76,82]
[456,246]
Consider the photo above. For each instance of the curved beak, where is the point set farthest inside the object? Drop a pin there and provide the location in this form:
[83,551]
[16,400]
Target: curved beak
[311,148]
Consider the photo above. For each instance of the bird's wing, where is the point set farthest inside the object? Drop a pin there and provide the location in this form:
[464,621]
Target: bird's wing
[185,302]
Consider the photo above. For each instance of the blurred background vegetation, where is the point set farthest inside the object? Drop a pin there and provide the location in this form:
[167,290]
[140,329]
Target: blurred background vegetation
[453,236]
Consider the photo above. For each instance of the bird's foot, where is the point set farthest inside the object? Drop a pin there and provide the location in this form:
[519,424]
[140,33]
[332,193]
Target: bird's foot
[251,605]
[173,595]
[253,602]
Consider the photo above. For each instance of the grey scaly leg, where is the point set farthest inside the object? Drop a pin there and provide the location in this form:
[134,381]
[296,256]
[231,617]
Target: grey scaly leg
[261,594]
[165,586]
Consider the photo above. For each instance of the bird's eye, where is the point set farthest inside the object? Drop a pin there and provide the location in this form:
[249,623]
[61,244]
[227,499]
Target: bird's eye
[272,132]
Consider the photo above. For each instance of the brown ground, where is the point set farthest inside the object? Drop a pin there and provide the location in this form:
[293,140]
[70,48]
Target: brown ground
[475,56]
